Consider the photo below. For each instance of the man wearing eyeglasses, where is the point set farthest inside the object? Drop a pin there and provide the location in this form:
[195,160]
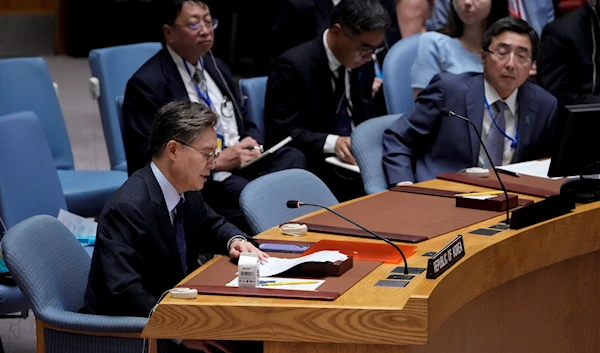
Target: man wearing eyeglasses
[516,118]
[186,70]
[151,232]
[320,90]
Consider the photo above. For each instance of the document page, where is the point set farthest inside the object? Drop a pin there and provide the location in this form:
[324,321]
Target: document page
[338,162]
[284,283]
[274,265]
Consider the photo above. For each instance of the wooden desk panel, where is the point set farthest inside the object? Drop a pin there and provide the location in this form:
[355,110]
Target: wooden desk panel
[507,278]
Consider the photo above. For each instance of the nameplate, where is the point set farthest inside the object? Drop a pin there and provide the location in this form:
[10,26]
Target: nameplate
[446,258]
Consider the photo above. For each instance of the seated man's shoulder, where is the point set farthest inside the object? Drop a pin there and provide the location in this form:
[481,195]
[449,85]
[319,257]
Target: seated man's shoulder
[567,25]
[300,54]
[456,81]
[151,71]
[541,95]
[132,194]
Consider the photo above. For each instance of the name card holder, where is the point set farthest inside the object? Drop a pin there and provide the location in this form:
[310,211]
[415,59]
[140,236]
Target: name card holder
[445,258]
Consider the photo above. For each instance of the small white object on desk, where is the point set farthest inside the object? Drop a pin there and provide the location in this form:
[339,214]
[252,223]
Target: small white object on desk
[248,269]
[294,229]
[478,172]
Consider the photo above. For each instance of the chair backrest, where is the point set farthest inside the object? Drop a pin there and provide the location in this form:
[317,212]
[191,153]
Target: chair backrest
[119,106]
[113,67]
[25,85]
[367,147]
[48,264]
[263,200]
[254,91]
[29,183]
[396,73]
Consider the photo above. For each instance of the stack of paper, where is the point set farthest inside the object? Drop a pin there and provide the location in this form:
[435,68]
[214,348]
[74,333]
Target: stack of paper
[275,265]
[83,228]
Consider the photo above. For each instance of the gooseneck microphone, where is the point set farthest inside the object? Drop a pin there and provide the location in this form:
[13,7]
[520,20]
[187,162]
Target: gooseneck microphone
[450,113]
[297,204]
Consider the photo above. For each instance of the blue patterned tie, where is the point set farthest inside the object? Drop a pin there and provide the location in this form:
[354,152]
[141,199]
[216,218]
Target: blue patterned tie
[495,138]
[343,126]
[180,235]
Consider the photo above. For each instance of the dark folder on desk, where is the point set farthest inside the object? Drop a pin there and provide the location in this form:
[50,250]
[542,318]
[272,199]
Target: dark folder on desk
[400,216]
[214,278]
[523,184]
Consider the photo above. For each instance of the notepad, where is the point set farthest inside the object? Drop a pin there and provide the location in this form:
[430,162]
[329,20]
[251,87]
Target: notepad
[339,163]
[268,152]
[309,284]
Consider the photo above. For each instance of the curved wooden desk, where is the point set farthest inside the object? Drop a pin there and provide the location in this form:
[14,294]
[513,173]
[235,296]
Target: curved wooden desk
[532,290]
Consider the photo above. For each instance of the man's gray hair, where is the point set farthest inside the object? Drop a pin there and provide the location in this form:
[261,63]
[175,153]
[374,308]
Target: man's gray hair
[180,121]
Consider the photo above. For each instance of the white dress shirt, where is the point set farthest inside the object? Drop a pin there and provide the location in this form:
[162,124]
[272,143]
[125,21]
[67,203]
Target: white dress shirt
[168,190]
[336,2]
[220,104]
[510,116]
[334,65]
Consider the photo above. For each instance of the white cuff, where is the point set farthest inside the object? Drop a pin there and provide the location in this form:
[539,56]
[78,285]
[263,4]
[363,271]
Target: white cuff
[240,237]
[329,146]
[404,183]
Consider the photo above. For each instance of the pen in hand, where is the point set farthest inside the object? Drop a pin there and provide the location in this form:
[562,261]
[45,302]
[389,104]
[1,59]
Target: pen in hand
[259,147]
[508,172]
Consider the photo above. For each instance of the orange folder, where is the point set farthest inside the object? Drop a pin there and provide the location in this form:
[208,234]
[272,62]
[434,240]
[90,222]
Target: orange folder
[364,251]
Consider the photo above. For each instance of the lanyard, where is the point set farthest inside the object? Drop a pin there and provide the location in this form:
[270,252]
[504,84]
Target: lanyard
[513,140]
[512,11]
[205,97]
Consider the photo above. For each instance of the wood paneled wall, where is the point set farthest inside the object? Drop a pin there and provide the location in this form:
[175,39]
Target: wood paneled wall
[28,6]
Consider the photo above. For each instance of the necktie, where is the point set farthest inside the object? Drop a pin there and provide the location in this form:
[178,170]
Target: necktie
[200,81]
[180,235]
[495,138]
[343,126]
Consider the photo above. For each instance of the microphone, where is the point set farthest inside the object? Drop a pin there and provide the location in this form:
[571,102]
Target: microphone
[297,204]
[449,112]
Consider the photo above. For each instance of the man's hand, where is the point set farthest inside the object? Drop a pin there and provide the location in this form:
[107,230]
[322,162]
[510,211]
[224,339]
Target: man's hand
[376,86]
[207,346]
[342,149]
[235,156]
[239,246]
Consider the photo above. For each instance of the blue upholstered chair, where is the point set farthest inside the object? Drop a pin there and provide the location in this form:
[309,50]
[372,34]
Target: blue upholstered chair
[253,90]
[367,147]
[113,67]
[51,268]
[25,85]
[263,200]
[396,70]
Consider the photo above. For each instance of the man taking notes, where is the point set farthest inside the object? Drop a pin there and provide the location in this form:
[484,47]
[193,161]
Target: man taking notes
[516,119]
[151,232]
[185,69]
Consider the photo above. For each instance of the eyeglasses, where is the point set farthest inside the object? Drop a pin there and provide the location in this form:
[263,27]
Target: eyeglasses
[210,157]
[199,26]
[365,50]
[521,57]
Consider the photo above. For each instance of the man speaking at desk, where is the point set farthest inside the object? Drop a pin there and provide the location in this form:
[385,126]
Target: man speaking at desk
[152,230]
[516,118]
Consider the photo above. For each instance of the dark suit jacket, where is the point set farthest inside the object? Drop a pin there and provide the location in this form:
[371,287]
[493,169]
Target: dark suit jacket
[299,21]
[136,257]
[157,83]
[300,99]
[423,143]
[566,65]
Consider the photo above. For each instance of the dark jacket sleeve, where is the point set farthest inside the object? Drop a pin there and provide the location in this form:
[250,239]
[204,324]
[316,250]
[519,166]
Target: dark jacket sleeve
[123,227]
[283,113]
[553,69]
[139,106]
[408,135]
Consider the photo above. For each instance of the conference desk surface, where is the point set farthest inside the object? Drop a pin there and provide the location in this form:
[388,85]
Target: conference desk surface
[529,290]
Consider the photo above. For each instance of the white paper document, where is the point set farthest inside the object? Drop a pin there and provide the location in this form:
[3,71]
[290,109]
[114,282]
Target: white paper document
[338,162]
[284,283]
[270,151]
[534,168]
[79,226]
[274,265]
